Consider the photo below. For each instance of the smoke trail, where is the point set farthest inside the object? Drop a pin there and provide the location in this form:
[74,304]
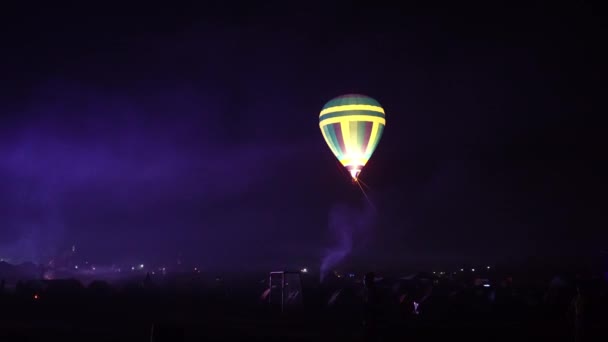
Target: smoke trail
[346,224]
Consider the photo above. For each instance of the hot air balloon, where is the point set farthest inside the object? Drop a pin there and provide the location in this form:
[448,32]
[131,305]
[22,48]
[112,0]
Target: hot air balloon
[352,126]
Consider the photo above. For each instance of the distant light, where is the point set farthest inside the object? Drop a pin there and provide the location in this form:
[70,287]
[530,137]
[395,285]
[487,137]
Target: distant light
[486,285]
[132,268]
[152,272]
[164,269]
[304,270]
[462,270]
[76,267]
[196,268]
[472,270]
[141,266]
[434,272]
[441,272]
[36,296]
[352,275]
[488,267]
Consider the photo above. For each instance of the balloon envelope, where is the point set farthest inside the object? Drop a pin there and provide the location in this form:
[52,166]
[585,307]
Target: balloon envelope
[352,126]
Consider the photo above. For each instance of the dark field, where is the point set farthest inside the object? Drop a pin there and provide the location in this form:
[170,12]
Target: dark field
[195,308]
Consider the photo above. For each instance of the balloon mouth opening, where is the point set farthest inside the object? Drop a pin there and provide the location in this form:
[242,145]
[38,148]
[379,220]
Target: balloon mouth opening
[354,173]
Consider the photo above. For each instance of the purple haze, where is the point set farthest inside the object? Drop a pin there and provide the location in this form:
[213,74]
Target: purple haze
[130,176]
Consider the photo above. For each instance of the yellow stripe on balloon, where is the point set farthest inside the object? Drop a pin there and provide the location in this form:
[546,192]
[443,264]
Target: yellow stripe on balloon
[340,119]
[354,137]
[372,138]
[354,161]
[345,127]
[351,107]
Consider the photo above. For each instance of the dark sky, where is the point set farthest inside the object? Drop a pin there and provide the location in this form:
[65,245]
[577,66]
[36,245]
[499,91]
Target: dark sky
[138,133]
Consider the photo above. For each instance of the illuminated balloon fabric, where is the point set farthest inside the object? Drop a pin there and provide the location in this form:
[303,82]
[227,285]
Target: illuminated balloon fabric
[352,126]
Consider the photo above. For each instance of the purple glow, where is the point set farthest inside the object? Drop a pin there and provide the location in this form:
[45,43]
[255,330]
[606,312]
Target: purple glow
[107,174]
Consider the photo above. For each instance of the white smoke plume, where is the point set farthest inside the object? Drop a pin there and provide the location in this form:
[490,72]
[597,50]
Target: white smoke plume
[347,224]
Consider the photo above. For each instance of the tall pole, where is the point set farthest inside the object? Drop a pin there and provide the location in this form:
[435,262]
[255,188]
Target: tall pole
[282,290]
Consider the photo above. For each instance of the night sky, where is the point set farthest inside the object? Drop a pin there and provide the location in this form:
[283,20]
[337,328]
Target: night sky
[141,132]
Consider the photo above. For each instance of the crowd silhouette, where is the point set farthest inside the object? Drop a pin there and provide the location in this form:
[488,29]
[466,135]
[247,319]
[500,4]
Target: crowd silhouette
[369,307]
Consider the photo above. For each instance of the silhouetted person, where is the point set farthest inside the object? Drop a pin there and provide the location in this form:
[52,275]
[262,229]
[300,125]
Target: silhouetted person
[148,281]
[19,288]
[406,306]
[580,307]
[370,305]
